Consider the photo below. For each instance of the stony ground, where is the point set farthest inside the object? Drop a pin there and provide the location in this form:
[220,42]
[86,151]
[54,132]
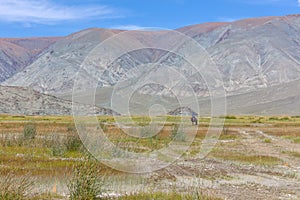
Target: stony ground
[233,179]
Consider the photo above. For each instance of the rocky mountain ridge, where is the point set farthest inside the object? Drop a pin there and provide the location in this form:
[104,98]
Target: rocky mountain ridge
[18,53]
[251,55]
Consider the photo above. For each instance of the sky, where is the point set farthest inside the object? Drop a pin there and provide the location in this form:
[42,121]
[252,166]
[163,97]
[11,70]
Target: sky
[31,18]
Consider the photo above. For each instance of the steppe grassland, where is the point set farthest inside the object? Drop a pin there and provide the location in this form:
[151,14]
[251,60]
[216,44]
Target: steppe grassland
[55,148]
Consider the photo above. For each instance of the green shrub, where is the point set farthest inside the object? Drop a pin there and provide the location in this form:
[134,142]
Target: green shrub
[73,143]
[71,129]
[267,140]
[295,117]
[273,118]
[70,143]
[103,127]
[279,119]
[86,183]
[58,150]
[15,188]
[29,131]
[178,135]
[296,140]
[230,117]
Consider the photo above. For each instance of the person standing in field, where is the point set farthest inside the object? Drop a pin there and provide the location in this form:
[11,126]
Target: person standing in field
[194,119]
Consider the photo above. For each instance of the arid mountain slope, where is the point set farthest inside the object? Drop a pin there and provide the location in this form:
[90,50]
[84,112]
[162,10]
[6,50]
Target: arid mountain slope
[254,57]
[24,101]
[250,54]
[16,54]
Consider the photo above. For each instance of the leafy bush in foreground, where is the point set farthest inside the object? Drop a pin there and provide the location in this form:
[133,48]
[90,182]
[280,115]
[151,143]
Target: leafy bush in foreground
[29,131]
[86,183]
[13,187]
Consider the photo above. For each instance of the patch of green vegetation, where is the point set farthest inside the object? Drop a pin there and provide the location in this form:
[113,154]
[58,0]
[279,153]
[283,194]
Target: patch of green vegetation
[295,139]
[58,150]
[73,143]
[70,146]
[46,196]
[18,116]
[25,151]
[267,140]
[178,135]
[35,163]
[168,196]
[73,154]
[15,188]
[86,181]
[142,121]
[257,120]
[37,119]
[230,117]
[227,134]
[176,119]
[292,153]
[279,118]
[107,119]
[29,131]
[228,137]
[249,159]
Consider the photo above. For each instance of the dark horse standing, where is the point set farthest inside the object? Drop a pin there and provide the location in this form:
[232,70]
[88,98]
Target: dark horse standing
[194,120]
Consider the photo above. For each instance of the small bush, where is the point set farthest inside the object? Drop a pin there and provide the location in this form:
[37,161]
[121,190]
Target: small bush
[29,131]
[178,135]
[279,119]
[267,140]
[225,130]
[70,143]
[73,143]
[13,187]
[103,127]
[296,140]
[71,129]
[85,183]
[295,117]
[58,150]
[285,119]
[230,117]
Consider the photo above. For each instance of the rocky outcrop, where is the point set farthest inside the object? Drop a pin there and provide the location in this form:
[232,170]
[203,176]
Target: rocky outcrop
[24,101]
[182,111]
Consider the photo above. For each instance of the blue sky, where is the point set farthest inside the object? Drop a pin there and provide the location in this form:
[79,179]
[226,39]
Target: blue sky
[27,18]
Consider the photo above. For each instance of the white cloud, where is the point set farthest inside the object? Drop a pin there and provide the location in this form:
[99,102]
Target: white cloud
[229,19]
[130,27]
[46,11]
[299,3]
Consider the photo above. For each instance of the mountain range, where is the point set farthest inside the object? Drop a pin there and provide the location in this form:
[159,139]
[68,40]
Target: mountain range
[18,53]
[258,60]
